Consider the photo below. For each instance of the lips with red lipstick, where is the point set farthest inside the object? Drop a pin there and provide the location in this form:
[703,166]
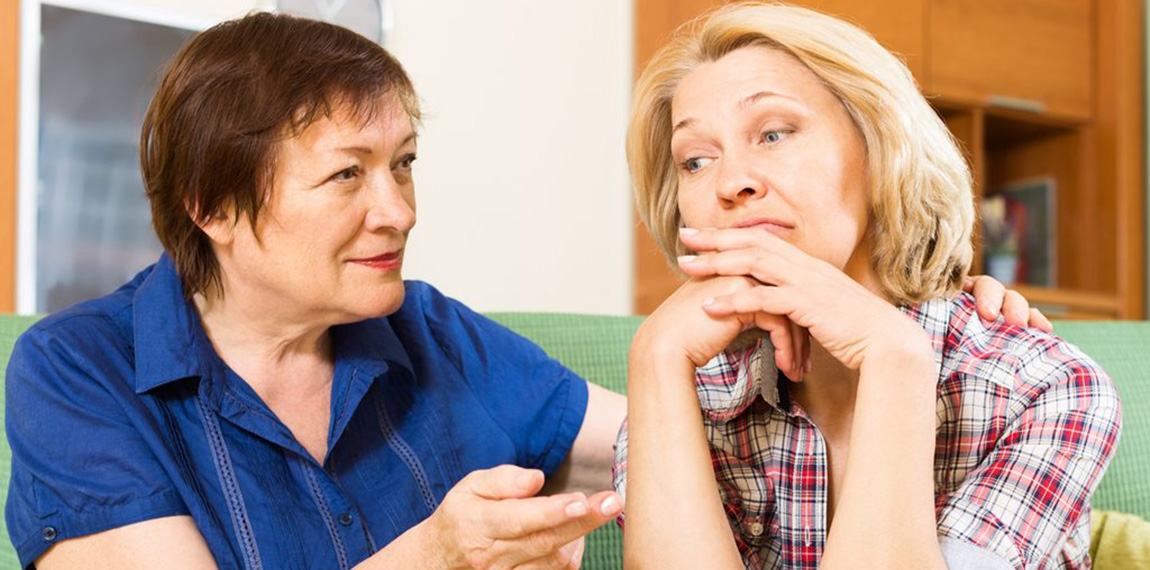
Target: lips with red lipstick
[386,262]
[777,227]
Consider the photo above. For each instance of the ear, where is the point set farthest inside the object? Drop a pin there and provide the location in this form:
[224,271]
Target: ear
[220,227]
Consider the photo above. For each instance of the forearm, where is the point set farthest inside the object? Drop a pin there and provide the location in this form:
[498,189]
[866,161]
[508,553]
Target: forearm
[412,549]
[675,518]
[587,468]
[886,513]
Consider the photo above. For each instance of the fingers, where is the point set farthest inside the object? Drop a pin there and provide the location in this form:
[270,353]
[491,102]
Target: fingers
[518,517]
[708,240]
[989,296]
[568,557]
[505,482]
[1040,322]
[545,548]
[604,507]
[763,265]
[768,316]
[1015,309]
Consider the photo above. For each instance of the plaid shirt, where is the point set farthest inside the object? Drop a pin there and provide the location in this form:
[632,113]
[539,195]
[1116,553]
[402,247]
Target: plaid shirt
[1026,425]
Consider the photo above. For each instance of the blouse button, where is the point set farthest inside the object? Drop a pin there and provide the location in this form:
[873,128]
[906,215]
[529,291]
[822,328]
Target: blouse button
[757,529]
[345,519]
[49,533]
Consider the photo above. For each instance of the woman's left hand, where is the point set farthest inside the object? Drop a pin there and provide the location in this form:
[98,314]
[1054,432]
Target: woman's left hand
[849,321]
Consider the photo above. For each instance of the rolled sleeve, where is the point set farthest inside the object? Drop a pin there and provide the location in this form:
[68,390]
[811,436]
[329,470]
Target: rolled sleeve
[1028,501]
[79,466]
[536,401]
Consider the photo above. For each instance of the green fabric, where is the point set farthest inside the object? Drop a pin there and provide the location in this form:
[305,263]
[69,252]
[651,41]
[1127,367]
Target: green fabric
[596,348]
[1119,541]
[1123,351]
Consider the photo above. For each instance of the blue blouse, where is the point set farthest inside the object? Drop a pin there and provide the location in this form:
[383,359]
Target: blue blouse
[119,411]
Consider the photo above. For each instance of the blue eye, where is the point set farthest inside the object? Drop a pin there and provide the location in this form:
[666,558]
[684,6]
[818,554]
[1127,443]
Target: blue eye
[693,165]
[774,136]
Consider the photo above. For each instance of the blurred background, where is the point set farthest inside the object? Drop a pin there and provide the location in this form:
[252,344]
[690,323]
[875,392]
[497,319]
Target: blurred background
[523,194]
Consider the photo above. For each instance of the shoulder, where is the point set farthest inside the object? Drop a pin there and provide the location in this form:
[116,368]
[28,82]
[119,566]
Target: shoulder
[72,350]
[87,330]
[1024,361]
[428,318]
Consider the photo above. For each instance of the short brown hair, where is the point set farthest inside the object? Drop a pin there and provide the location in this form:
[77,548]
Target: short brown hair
[228,97]
[921,202]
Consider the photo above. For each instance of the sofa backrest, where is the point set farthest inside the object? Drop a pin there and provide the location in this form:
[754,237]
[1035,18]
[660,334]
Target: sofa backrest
[596,348]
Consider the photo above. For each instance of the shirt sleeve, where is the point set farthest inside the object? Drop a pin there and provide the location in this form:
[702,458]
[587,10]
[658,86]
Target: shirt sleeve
[79,466]
[536,401]
[1028,501]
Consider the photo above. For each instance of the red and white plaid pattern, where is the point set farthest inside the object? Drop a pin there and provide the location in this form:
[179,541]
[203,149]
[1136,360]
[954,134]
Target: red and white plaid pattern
[1026,426]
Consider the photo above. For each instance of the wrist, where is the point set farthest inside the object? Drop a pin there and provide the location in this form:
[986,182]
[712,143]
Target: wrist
[429,540]
[651,349]
[906,350]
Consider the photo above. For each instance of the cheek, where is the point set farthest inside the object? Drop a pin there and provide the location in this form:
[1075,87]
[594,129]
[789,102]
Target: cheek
[696,206]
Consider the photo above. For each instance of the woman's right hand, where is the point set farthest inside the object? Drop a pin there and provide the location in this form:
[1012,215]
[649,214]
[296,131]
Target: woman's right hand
[680,328]
[492,519]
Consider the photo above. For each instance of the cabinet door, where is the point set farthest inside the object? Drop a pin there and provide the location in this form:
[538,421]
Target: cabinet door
[9,85]
[1033,54]
[896,24]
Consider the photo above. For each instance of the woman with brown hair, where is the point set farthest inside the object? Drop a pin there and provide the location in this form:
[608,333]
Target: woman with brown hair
[271,394]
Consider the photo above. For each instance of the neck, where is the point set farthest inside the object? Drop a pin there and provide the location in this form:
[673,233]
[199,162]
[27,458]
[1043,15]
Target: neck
[269,346]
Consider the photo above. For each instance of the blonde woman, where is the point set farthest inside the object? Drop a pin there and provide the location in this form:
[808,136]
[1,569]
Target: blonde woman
[789,166]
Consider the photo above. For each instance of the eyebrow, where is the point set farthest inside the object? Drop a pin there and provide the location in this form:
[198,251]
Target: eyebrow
[746,102]
[368,150]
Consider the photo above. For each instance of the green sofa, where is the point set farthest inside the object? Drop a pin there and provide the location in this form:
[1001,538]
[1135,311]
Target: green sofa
[596,347]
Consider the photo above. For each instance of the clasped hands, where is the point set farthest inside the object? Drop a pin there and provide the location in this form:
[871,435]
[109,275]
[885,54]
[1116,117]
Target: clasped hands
[747,277]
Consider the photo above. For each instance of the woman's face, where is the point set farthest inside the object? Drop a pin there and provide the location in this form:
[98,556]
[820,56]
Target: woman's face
[331,237]
[760,142]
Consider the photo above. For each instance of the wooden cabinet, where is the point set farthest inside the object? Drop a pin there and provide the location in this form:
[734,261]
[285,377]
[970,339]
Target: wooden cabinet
[896,24]
[1030,88]
[9,86]
[1035,54]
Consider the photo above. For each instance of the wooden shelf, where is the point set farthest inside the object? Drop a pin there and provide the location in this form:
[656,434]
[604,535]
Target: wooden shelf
[1070,304]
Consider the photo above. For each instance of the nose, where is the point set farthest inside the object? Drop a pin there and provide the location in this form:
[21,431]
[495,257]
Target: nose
[392,206]
[740,180]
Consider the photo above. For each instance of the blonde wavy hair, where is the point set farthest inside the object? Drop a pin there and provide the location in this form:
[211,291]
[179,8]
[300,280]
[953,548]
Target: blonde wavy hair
[921,203]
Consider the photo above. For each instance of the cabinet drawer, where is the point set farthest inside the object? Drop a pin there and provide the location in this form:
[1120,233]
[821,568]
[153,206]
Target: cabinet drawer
[1036,53]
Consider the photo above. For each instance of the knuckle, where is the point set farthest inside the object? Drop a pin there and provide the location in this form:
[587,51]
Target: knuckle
[542,543]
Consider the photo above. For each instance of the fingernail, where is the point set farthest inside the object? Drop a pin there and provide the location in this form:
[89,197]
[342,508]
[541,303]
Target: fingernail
[686,258]
[525,480]
[807,367]
[609,506]
[576,509]
[708,301]
[688,231]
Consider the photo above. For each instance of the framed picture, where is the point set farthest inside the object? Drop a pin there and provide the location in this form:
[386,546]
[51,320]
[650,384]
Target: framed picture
[1020,228]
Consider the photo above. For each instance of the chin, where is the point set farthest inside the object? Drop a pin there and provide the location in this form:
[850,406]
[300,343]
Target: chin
[378,302]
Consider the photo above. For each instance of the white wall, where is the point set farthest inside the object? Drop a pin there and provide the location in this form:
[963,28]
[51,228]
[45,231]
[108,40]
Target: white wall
[521,182]
[522,189]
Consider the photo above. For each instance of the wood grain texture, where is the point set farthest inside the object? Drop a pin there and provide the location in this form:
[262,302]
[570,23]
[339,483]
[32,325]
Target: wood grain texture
[1034,50]
[1121,120]
[9,90]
